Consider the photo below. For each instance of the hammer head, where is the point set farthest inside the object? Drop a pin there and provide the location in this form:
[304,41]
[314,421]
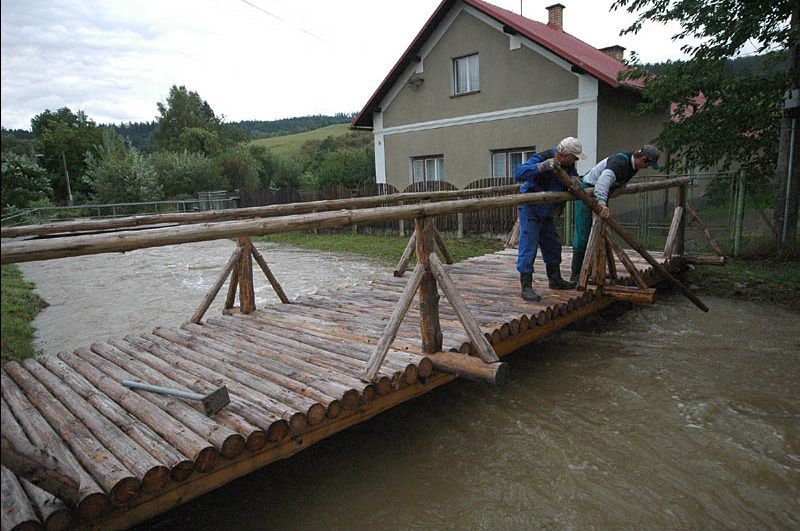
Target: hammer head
[216,400]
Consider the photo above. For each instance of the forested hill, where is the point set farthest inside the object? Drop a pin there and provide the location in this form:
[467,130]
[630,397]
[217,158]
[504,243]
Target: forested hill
[140,134]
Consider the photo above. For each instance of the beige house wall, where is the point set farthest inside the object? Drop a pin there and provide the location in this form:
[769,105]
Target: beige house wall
[467,148]
[508,78]
[619,128]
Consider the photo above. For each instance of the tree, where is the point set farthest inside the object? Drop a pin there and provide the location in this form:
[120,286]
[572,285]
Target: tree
[184,173]
[183,109]
[276,171]
[118,174]
[239,167]
[23,181]
[722,117]
[352,168]
[63,138]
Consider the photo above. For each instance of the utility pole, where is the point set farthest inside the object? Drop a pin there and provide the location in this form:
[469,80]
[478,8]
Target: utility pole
[787,192]
[66,173]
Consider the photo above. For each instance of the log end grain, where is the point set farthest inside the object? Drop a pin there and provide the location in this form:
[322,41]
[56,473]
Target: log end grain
[256,440]
[335,408]
[298,422]
[155,478]
[315,414]
[233,445]
[181,471]
[278,431]
[206,459]
[350,399]
[425,367]
[369,393]
[58,520]
[124,491]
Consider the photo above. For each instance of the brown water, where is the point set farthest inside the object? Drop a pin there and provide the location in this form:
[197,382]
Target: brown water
[661,417]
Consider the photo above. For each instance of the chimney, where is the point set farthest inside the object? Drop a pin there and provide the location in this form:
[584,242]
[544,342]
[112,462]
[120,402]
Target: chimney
[555,16]
[616,51]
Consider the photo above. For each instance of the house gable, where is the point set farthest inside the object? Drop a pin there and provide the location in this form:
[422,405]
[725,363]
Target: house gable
[514,74]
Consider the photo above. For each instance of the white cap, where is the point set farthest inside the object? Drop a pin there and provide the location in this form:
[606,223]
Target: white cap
[571,146]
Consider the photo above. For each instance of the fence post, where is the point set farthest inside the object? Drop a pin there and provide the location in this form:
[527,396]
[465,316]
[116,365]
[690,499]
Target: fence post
[402,223]
[737,228]
[681,197]
[460,233]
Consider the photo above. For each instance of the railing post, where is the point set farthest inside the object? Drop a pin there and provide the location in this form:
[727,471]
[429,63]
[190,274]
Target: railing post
[681,198]
[460,233]
[428,294]
[247,296]
[737,228]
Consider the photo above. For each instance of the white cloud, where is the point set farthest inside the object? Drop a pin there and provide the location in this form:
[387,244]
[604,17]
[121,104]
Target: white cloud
[115,60]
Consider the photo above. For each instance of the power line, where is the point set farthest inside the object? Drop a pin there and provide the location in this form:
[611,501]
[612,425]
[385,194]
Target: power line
[273,15]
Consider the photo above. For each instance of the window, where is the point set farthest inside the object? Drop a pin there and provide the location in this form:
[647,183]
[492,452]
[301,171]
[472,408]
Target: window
[505,160]
[466,74]
[429,168]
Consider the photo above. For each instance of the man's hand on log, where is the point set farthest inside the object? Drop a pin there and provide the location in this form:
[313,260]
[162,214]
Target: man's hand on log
[604,212]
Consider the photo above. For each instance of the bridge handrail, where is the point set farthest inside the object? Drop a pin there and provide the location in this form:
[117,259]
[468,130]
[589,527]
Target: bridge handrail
[45,249]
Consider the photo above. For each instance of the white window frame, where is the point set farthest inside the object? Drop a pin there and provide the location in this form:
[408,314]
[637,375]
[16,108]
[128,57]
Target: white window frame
[470,65]
[507,155]
[427,168]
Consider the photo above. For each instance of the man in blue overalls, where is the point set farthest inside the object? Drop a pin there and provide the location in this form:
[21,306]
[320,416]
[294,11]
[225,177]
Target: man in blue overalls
[536,225]
[615,170]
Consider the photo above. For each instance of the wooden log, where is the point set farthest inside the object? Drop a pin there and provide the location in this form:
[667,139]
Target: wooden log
[268,273]
[591,253]
[200,451]
[704,229]
[614,224]
[151,473]
[469,323]
[471,367]
[92,498]
[274,427]
[442,247]
[53,513]
[179,465]
[243,213]
[633,271]
[41,469]
[207,353]
[674,231]
[703,259]
[114,477]
[402,265]
[29,250]
[114,363]
[430,329]
[611,264]
[599,261]
[16,511]
[630,294]
[166,374]
[212,293]
[513,237]
[390,332]
[247,295]
[233,285]
[681,200]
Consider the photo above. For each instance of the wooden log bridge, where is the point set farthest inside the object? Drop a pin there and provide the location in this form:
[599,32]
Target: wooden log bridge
[80,449]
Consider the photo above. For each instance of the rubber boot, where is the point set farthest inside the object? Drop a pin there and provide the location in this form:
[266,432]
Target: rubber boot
[526,280]
[554,278]
[577,264]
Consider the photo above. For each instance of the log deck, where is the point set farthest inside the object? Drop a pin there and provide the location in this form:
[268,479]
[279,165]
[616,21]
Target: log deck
[294,376]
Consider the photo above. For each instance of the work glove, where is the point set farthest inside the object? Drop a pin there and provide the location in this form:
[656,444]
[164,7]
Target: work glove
[548,165]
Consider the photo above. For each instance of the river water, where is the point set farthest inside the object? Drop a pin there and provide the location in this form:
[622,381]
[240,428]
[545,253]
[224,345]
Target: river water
[660,417]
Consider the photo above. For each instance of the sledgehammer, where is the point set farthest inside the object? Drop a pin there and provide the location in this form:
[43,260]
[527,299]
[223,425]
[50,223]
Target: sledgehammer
[212,402]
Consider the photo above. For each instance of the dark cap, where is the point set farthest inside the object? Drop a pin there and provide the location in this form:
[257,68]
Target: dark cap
[651,154]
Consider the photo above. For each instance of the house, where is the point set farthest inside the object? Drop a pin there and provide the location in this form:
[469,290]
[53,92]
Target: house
[481,88]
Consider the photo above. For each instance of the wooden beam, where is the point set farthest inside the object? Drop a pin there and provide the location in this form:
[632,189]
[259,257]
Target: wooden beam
[440,244]
[703,259]
[599,261]
[704,229]
[627,262]
[272,280]
[630,294]
[400,269]
[42,469]
[212,293]
[390,332]
[513,236]
[610,262]
[591,253]
[430,327]
[45,249]
[247,294]
[674,232]
[230,299]
[470,367]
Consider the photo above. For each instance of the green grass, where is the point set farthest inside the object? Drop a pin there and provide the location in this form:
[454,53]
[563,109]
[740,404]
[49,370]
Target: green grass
[20,304]
[772,281]
[290,144]
[387,249]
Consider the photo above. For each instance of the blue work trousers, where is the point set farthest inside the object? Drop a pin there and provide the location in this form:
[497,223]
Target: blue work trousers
[535,232]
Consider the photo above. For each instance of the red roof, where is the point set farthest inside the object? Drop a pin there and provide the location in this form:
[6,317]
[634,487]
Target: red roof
[575,51]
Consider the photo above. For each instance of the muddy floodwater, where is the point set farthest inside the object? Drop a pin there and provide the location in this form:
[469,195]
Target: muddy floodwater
[660,417]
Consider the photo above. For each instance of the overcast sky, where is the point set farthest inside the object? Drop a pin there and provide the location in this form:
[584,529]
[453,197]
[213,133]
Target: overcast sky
[250,59]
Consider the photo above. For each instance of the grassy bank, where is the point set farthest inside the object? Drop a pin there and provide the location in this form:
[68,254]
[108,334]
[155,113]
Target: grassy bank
[20,304]
[771,281]
[387,249]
